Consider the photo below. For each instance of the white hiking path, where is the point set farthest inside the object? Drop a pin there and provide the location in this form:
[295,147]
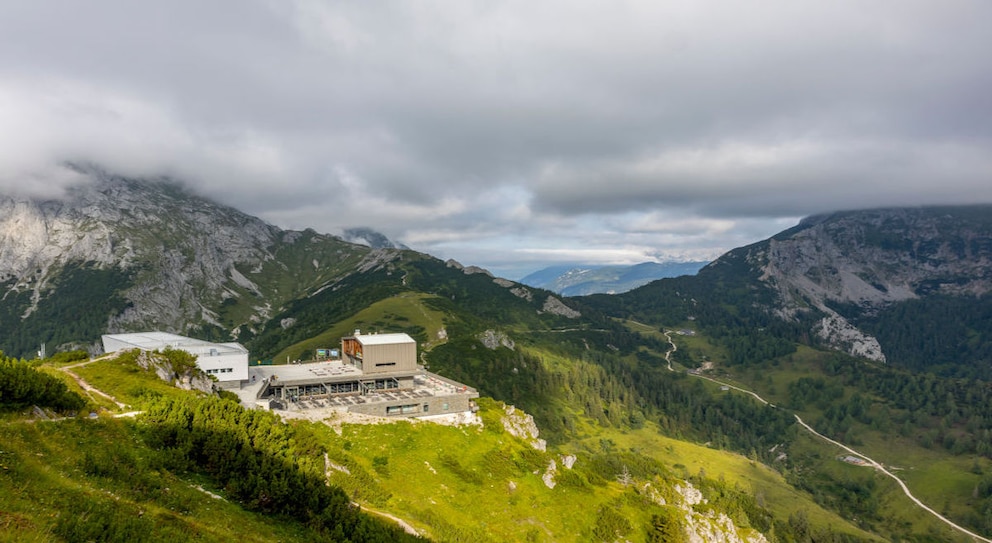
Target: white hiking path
[670,352]
[90,389]
[402,523]
[870,461]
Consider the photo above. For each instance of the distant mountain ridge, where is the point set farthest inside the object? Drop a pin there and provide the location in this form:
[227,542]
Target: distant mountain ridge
[853,280]
[117,254]
[580,280]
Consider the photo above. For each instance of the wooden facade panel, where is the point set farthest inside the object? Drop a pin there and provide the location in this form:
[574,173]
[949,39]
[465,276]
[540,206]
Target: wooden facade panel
[390,357]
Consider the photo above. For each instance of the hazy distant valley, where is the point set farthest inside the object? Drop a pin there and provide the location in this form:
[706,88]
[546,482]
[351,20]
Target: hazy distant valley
[581,280]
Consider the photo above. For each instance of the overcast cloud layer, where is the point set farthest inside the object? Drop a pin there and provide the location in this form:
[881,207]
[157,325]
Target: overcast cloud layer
[511,134]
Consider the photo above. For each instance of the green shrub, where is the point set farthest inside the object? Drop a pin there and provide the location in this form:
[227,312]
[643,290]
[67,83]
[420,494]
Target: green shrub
[228,396]
[68,356]
[89,519]
[667,527]
[21,386]
[470,476]
[381,465]
[610,524]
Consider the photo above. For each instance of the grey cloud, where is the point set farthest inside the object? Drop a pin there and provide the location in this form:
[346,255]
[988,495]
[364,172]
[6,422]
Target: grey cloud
[772,180]
[510,121]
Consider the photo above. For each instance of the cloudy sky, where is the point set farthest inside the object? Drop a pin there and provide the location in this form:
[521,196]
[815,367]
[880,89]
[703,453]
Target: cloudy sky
[511,134]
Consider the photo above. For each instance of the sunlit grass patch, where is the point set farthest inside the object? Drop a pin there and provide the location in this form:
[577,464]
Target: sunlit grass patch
[122,378]
[403,313]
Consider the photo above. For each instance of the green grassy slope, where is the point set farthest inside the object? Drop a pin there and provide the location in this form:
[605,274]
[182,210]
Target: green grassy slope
[407,312]
[471,484]
[79,480]
[192,467]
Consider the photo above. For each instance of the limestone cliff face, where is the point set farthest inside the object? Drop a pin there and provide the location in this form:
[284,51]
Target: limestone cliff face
[192,262]
[870,259]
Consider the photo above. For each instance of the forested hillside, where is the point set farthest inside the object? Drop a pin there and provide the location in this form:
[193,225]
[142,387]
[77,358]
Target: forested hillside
[930,395]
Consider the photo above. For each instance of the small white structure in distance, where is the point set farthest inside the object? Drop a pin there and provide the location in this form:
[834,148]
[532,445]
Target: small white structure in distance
[228,362]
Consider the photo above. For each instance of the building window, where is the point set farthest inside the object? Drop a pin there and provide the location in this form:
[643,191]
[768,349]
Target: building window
[341,388]
[404,409]
[444,406]
[426,408]
[381,364]
[381,384]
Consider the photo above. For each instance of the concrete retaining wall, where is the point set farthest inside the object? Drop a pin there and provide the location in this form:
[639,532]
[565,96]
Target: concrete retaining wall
[436,405]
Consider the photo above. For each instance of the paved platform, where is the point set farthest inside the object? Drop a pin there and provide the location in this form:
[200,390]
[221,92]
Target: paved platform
[425,385]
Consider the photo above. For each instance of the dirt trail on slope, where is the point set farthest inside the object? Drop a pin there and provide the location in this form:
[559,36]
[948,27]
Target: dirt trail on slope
[90,389]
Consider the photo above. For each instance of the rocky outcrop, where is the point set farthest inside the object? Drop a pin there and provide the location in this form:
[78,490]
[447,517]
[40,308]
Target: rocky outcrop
[521,292]
[467,270]
[837,331]
[707,526]
[492,340]
[521,425]
[191,378]
[378,259]
[557,307]
[868,260]
[472,270]
[549,474]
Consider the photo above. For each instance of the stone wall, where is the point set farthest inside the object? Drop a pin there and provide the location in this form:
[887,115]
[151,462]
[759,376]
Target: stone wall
[436,405]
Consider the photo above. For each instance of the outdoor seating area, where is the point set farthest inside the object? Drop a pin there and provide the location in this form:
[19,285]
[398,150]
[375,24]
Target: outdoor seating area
[377,375]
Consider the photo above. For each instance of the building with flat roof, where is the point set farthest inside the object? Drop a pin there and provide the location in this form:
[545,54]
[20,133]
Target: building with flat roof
[376,375]
[228,362]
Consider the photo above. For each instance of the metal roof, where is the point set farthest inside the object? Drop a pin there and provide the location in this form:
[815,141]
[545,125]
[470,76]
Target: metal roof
[150,341]
[383,339]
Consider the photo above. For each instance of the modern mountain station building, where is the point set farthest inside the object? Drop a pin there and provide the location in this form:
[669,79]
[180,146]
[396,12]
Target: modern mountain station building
[377,374]
[228,362]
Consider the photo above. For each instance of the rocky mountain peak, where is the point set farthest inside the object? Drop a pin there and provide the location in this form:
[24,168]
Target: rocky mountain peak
[187,260]
[370,238]
[880,256]
[874,258]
